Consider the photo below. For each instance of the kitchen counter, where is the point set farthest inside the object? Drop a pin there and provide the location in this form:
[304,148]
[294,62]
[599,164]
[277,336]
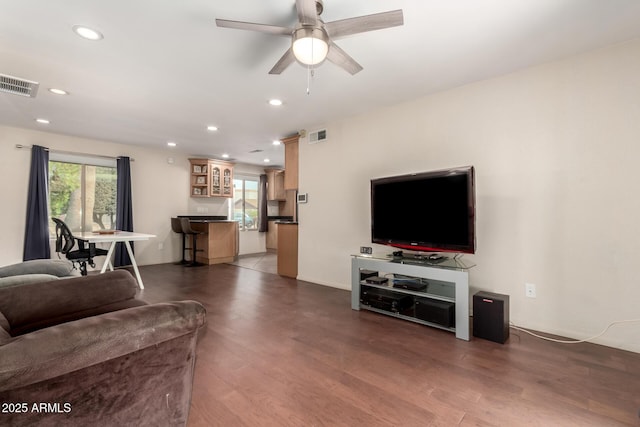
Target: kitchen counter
[280,218]
[206,218]
[218,241]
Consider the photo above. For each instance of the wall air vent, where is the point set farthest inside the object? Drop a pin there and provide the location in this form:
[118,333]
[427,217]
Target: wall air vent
[18,86]
[317,136]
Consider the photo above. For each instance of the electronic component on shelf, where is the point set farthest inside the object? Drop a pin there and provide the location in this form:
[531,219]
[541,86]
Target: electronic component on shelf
[434,311]
[383,299]
[376,280]
[364,274]
[410,284]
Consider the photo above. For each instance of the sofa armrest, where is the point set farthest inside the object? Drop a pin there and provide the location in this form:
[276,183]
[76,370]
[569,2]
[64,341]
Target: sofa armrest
[36,302]
[58,350]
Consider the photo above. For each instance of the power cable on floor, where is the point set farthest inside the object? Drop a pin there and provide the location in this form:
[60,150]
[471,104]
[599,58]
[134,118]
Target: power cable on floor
[518,328]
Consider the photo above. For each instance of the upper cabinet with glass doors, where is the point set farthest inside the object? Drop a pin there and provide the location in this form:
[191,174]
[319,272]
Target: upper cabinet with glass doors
[211,178]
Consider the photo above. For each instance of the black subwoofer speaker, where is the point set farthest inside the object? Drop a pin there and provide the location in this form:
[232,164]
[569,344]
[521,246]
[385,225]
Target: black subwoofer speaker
[491,316]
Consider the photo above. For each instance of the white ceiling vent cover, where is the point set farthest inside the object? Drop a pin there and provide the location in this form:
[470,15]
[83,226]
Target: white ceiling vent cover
[317,136]
[18,86]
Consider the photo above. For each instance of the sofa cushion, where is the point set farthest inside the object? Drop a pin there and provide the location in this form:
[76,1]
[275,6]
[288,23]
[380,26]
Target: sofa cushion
[24,279]
[69,317]
[55,267]
[37,305]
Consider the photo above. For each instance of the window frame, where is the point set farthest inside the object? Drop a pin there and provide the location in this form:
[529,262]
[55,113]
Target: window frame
[232,205]
[83,161]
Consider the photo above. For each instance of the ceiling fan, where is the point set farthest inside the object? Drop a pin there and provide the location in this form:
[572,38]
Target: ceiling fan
[312,39]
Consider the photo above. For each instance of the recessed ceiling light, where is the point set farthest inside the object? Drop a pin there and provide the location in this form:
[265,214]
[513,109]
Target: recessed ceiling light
[267,160]
[43,121]
[225,156]
[275,102]
[171,144]
[277,142]
[58,91]
[212,128]
[87,33]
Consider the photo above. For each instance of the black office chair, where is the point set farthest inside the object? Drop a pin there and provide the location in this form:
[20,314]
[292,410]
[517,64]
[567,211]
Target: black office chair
[186,229]
[81,256]
[176,226]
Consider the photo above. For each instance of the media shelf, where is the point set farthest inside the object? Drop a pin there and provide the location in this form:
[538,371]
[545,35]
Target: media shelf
[443,303]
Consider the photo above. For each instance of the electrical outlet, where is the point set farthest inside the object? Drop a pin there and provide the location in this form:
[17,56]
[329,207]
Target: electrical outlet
[366,250]
[530,290]
[160,246]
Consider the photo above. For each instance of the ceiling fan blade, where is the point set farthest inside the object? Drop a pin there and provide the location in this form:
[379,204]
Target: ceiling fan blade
[342,59]
[307,14]
[286,60]
[361,24]
[262,28]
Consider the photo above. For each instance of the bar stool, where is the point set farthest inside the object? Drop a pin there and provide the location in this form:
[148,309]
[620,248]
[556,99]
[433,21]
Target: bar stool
[186,229]
[176,226]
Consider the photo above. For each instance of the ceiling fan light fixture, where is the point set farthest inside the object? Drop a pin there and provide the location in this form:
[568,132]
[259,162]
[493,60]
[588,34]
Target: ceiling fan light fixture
[310,45]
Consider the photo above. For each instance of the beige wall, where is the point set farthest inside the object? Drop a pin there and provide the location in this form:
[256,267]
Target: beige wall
[556,150]
[160,190]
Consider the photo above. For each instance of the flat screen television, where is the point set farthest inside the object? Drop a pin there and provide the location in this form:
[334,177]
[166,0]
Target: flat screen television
[428,212]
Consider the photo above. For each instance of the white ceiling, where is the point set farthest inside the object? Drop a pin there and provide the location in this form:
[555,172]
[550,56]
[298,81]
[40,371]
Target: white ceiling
[164,71]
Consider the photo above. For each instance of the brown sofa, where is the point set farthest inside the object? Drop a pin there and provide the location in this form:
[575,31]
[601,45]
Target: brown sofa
[84,351]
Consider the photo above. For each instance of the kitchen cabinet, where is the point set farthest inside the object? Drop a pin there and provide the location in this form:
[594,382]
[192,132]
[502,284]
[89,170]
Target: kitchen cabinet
[275,184]
[288,249]
[210,178]
[199,178]
[271,238]
[291,162]
[221,178]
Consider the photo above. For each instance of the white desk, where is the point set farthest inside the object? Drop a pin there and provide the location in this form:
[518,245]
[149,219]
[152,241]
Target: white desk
[113,238]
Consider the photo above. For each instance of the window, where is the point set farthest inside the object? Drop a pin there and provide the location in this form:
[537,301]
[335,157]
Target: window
[245,203]
[83,195]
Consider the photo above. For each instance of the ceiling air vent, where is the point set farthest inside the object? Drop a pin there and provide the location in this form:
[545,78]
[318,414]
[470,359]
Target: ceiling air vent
[18,86]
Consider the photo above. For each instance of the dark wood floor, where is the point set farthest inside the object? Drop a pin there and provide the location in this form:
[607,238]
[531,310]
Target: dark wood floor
[281,352]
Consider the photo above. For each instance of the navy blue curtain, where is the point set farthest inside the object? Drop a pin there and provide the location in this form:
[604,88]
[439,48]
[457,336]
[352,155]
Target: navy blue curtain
[36,234]
[124,211]
[263,223]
